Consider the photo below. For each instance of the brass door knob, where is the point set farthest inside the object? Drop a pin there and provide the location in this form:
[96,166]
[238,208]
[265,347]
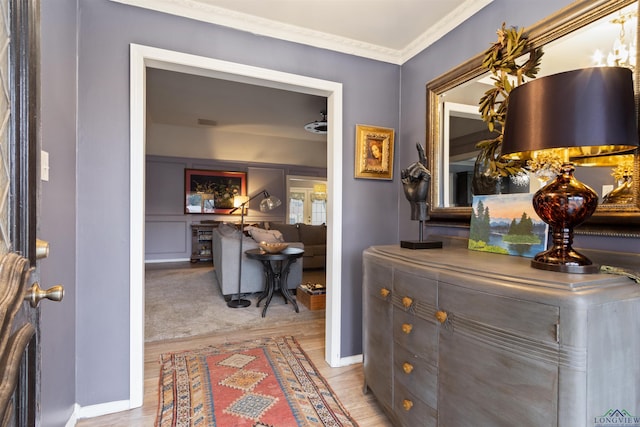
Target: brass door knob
[407,327]
[407,404]
[407,367]
[441,316]
[384,292]
[406,301]
[35,294]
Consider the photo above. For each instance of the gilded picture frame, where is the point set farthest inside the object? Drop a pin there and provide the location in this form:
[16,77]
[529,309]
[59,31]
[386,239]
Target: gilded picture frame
[374,152]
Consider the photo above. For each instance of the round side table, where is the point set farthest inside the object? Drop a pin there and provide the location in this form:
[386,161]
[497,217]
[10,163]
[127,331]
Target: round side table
[276,270]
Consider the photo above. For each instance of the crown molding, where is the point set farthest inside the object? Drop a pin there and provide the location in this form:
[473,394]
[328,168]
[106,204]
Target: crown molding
[454,18]
[269,28]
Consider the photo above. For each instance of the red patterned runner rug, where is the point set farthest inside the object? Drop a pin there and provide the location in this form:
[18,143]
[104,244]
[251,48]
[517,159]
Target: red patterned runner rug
[268,382]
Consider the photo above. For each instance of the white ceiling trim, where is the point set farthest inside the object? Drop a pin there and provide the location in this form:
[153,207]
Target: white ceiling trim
[448,23]
[266,27]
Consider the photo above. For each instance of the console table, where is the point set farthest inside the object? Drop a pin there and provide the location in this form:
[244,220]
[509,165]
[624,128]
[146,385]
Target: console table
[276,270]
[454,337]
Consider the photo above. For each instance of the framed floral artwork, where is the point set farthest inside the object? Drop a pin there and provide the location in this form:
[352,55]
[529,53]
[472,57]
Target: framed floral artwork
[374,152]
[212,192]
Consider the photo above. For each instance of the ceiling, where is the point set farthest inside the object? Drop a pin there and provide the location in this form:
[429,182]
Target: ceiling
[180,99]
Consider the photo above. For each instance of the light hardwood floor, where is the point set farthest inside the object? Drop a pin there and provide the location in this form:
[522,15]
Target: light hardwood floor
[346,382]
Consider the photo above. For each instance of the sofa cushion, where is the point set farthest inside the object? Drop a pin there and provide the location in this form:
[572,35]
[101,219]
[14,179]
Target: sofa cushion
[312,234]
[261,235]
[315,250]
[289,231]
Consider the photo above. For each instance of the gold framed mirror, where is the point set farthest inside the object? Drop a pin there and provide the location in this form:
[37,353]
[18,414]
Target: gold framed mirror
[452,113]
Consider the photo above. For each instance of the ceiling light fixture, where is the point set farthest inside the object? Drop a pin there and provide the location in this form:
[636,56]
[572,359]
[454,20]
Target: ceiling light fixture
[318,126]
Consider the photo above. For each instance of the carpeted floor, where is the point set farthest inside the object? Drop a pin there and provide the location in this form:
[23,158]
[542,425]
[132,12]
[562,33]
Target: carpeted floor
[184,301]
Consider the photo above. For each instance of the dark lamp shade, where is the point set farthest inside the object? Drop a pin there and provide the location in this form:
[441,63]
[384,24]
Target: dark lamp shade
[589,112]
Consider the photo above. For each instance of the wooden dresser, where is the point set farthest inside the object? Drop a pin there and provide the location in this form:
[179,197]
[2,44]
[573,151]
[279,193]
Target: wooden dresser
[457,338]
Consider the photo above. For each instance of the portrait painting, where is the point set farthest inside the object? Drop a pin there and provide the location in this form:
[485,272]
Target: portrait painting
[374,152]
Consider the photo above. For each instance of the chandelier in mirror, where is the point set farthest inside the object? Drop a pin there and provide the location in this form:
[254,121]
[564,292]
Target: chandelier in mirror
[622,53]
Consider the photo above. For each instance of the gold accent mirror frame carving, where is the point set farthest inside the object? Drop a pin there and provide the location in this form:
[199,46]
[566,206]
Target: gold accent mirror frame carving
[610,220]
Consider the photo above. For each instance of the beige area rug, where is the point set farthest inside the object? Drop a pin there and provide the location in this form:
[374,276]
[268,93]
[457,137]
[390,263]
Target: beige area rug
[186,301]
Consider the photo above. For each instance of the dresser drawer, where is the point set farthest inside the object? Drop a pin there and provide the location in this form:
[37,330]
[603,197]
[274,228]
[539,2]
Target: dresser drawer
[410,411]
[377,331]
[378,280]
[410,331]
[467,308]
[413,286]
[416,374]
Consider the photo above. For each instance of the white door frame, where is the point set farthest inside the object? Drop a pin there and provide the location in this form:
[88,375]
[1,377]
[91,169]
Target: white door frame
[142,57]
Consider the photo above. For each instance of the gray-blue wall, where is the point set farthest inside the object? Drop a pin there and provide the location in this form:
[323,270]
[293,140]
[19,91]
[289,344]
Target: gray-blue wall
[371,94]
[57,209]
[86,214]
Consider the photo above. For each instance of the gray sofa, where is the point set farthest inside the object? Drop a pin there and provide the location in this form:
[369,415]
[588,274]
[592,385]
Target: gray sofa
[313,237]
[225,243]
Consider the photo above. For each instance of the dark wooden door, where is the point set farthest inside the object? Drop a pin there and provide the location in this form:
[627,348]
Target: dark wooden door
[19,177]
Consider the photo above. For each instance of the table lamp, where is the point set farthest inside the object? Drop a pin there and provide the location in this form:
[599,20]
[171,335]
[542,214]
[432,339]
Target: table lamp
[239,202]
[579,114]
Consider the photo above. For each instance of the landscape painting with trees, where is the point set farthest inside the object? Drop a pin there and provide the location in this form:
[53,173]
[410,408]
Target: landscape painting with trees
[507,224]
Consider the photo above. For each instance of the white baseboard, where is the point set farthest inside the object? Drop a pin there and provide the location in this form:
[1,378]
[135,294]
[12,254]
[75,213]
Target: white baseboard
[158,261]
[351,360]
[73,419]
[102,409]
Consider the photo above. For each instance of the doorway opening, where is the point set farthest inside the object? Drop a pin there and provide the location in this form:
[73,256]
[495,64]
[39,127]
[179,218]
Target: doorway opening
[143,57]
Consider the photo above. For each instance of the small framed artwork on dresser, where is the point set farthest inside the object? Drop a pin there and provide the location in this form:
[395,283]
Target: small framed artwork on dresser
[507,224]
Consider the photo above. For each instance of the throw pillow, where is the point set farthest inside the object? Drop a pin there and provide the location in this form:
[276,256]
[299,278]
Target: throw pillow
[269,236]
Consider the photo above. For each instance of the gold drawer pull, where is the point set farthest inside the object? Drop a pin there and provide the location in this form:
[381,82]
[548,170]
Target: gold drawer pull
[406,301]
[407,404]
[407,367]
[441,316]
[406,328]
[384,292]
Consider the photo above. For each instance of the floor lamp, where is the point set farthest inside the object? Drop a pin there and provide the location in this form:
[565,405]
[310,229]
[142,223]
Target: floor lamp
[240,202]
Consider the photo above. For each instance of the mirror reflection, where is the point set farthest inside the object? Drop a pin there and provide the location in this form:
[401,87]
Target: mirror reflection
[455,125]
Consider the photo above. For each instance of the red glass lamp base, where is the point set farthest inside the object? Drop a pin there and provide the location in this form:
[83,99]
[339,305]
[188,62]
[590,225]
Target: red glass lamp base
[572,262]
[564,204]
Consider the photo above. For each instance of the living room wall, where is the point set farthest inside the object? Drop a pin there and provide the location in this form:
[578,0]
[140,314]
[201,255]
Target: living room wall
[168,228]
